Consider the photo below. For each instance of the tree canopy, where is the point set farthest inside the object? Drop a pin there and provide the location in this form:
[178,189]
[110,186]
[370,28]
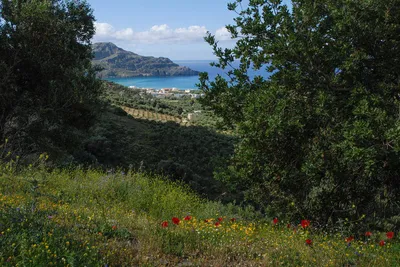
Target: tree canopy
[320,137]
[47,84]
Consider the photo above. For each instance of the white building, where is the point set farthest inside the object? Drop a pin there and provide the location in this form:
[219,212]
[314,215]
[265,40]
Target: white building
[191,117]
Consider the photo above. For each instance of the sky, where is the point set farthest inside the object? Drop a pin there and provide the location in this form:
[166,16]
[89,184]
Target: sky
[163,28]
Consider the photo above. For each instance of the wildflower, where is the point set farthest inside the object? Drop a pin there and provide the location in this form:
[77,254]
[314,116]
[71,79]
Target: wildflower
[368,234]
[390,235]
[381,243]
[309,242]
[217,224]
[175,220]
[164,224]
[206,220]
[233,219]
[305,223]
[288,225]
[220,219]
[275,221]
[349,239]
[188,218]
[114,227]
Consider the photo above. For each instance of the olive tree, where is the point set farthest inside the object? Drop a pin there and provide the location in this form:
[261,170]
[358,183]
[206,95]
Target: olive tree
[47,84]
[321,137]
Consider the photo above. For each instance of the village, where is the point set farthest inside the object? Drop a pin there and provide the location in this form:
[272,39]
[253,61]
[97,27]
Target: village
[169,92]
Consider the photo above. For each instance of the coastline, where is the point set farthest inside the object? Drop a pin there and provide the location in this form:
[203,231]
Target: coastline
[182,82]
[159,82]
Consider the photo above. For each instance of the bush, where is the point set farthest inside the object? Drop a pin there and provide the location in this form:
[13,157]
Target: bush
[49,91]
[320,137]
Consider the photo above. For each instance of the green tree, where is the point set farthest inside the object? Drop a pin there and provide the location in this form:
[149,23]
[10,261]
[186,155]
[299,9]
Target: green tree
[47,84]
[321,137]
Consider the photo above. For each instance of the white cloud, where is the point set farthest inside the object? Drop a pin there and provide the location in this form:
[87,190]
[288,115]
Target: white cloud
[125,34]
[222,34]
[104,29]
[157,34]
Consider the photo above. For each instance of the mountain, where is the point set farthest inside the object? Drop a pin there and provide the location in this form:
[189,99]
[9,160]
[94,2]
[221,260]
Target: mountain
[116,62]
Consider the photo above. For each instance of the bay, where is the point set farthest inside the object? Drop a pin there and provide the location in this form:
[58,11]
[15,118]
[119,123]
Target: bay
[181,82]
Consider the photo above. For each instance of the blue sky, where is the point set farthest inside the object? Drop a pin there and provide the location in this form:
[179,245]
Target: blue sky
[168,28]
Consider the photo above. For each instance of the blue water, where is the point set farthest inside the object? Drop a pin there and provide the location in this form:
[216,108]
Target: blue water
[180,82]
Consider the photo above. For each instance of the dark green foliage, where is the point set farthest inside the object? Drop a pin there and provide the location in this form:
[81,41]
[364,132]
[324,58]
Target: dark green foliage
[188,154]
[47,85]
[123,96]
[321,137]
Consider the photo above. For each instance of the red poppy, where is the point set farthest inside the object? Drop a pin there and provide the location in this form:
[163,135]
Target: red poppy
[175,220]
[164,224]
[114,227]
[220,219]
[288,225]
[381,243]
[305,223]
[188,218]
[233,220]
[309,242]
[390,235]
[206,220]
[368,234]
[275,220]
[217,224]
[349,239]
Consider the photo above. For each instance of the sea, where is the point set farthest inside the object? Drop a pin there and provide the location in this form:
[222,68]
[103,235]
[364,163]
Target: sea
[183,82]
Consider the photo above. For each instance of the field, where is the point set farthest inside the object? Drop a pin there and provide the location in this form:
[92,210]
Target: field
[150,115]
[73,217]
[145,106]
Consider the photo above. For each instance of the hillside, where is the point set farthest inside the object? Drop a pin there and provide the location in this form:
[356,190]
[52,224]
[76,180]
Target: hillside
[72,217]
[187,154]
[116,62]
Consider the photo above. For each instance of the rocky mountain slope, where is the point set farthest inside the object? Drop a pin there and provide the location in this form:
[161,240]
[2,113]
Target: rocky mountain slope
[117,62]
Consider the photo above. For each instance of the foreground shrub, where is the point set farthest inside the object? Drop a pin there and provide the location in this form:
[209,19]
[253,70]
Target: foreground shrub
[321,136]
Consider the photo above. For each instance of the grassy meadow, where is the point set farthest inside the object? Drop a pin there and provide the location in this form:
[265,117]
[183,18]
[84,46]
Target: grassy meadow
[291,157]
[75,217]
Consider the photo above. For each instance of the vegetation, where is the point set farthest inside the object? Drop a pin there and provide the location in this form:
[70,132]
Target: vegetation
[189,154]
[52,102]
[149,115]
[48,89]
[77,218]
[178,107]
[320,138]
[314,165]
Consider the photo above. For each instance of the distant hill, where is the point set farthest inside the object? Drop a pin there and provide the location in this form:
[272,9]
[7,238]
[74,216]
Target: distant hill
[117,62]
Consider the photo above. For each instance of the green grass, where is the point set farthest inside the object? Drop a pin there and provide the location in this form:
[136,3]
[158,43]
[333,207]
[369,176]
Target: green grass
[74,217]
